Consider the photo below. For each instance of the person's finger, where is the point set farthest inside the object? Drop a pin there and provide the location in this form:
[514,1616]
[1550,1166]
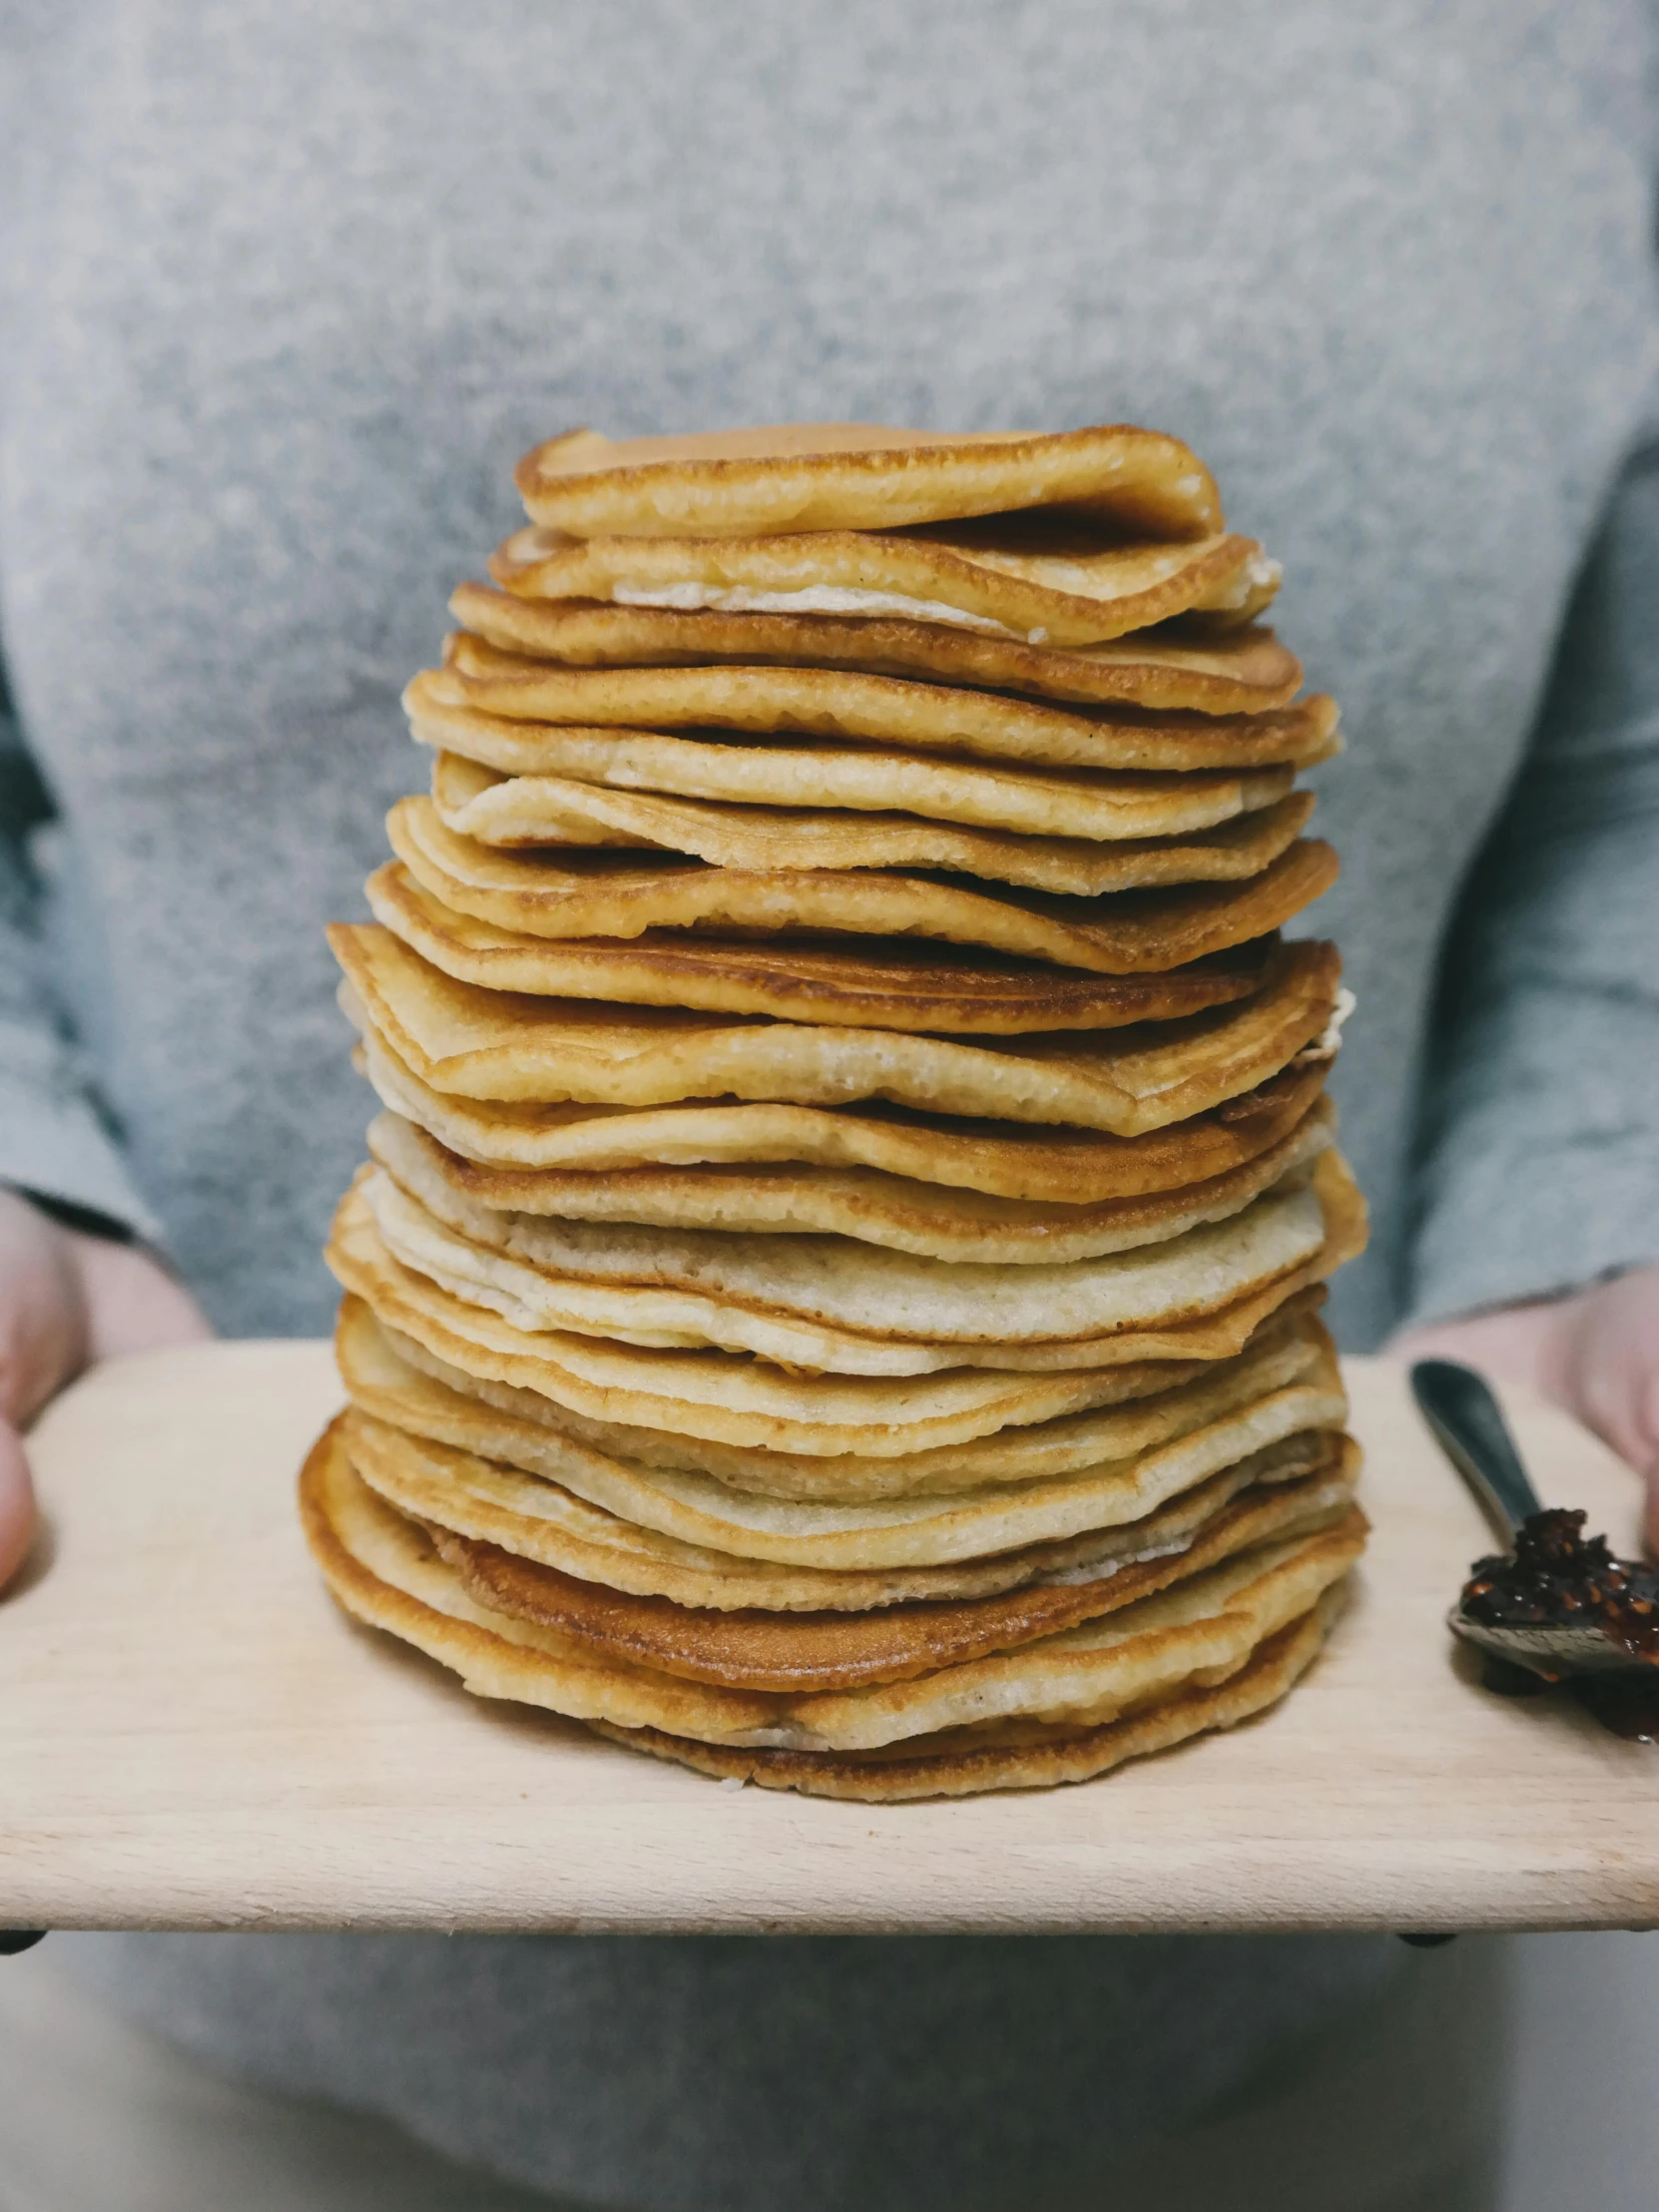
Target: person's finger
[132,1303]
[17,1504]
[43,1317]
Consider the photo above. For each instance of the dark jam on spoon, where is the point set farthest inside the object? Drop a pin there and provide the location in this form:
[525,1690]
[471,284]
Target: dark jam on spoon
[1557,1578]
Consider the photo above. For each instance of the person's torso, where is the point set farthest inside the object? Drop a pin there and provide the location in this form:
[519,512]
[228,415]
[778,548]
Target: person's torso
[288,286]
[290,290]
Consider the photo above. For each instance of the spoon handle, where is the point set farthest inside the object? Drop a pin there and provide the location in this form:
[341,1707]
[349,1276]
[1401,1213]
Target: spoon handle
[1465,1417]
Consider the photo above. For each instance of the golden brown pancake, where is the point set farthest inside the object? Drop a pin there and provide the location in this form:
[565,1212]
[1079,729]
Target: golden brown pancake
[898,715]
[728,1148]
[853,983]
[476,1043]
[926,1219]
[862,476]
[754,1649]
[1031,576]
[515,813]
[630,895]
[861,775]
[1240,672]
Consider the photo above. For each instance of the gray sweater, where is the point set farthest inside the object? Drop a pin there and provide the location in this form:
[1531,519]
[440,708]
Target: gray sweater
[287,285]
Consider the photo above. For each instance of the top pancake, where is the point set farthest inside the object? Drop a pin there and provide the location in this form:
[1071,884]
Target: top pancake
[1026,576]
[861,477]
[1242,672]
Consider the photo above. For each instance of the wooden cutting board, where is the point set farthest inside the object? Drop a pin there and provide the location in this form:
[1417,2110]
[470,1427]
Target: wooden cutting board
[192,1737]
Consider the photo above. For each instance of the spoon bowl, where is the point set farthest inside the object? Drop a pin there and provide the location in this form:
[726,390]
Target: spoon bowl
[1465,1417]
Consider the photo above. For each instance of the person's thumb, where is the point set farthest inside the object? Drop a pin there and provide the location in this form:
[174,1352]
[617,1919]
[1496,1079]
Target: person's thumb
[17,1503]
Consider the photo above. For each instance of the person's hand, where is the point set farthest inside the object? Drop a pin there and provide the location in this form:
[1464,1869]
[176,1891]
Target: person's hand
[1596,1354]
[66,1300]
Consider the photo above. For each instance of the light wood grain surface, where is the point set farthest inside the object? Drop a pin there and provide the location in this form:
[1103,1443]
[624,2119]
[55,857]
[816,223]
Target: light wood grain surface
[192,1737]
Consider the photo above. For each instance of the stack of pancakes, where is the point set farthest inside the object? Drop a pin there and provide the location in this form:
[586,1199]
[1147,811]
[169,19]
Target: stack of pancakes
[834,1296]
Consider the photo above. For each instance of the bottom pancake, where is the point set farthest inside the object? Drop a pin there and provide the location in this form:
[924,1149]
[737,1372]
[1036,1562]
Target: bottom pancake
[383,1571]
[968,1768]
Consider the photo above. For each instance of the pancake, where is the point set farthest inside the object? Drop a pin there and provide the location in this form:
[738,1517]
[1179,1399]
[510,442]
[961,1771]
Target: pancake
[426,1451]
[925,1529]
[403,1383]
[969,1762]
[1201,1630]
[758,1649]
[437,1454]
[920,1218]
[753,1403]
[898,714]
[477,1043]
[862,476]
[1239,672]
[605,1148]
[858,983]
[833,1305]
[628,896]
[1077,804]
[460,1499]
[1030,576]
[537,810]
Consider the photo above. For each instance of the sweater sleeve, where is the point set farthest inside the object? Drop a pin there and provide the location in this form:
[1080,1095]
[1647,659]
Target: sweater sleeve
[56,1141]
[1538,1161]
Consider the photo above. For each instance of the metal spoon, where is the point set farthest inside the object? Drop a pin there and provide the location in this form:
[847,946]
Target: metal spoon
[1465,1417]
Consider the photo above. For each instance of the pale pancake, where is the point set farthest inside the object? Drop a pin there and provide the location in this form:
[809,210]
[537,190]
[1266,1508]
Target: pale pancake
[534,1489]
[471,1042]
[1240,672]
[627,897]
[847,703]
[1076,803]
[833,1305]
[862,1534]
[420,1446]
[862,476]
[858,983]
[759,1649]
[1010,1758]
[1200,1631]
[753,1403]
[1028,575]
[925,1219]
[475,803]
[462,1498]
[401,1382]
